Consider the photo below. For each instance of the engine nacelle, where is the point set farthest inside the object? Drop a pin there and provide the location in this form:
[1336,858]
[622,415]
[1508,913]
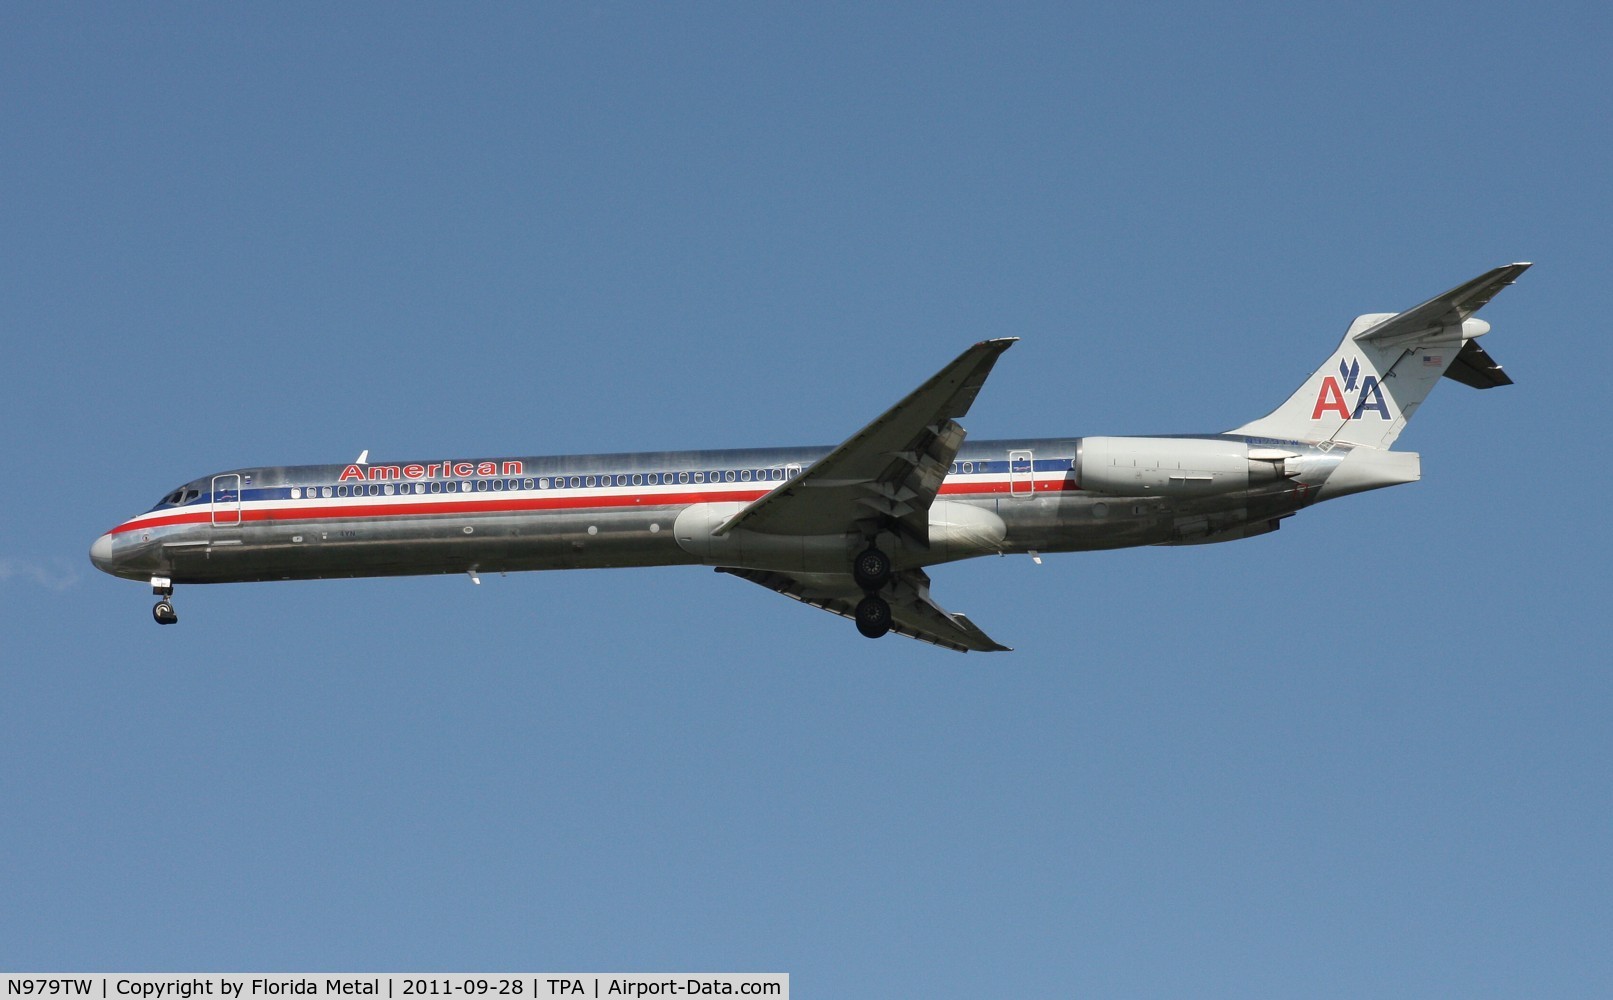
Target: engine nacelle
[1177,467]
[960,530]
[756,550]
[957,531]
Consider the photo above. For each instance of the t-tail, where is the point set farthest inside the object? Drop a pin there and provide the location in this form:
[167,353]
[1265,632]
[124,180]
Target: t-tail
[1386,366]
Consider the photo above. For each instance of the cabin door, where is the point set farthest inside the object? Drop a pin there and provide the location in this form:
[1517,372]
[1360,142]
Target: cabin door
[1021,474]
[227,500]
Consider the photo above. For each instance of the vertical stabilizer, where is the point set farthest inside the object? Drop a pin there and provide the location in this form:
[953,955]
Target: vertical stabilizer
[1383,369]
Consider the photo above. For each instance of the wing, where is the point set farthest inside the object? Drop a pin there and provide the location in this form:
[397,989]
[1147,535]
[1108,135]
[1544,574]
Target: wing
[914,613]
[889,471]
[1449,309]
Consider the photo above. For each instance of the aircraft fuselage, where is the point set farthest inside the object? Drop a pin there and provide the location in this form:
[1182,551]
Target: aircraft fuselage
[597,511]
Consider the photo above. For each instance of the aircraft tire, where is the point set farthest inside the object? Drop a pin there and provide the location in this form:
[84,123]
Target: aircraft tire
[872,569]
[873,617]
[164,613]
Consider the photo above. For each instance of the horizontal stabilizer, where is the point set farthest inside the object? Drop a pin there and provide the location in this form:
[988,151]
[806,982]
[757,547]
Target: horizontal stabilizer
[1447,310]
[1474,367]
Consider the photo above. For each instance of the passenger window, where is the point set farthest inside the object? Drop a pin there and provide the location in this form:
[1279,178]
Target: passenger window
[638,479]
[683,477]
[498,485]
[481,486]
[744,475]
[387,489]
[526,484]
[324,491]
[575,482]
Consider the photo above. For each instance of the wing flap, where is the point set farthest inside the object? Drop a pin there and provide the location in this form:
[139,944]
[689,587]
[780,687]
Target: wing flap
[914,613]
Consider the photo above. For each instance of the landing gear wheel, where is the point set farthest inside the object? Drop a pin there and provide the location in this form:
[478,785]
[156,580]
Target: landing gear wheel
[873,617]
[872,569]
[164,613]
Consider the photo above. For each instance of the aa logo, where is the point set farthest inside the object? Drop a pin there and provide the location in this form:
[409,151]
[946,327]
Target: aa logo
[1368,394]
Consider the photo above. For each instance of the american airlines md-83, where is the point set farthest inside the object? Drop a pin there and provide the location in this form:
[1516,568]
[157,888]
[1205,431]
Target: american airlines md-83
[848,529]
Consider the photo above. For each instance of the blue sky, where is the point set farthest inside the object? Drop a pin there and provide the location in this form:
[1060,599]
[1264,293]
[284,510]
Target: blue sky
[1367,755]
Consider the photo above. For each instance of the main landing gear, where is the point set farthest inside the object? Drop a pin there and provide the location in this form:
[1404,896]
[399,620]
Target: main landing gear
[872,570]
[163,611]
[873,616]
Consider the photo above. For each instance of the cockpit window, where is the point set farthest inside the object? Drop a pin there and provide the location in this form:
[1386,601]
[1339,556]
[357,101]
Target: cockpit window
[183,495]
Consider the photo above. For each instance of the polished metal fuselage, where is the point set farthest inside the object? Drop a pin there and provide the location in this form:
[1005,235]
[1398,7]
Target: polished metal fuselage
[596,511]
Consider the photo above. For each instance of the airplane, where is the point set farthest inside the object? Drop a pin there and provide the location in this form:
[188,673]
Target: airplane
[849,529]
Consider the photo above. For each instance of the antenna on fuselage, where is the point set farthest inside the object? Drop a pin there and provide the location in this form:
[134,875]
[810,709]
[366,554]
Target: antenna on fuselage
[363,457]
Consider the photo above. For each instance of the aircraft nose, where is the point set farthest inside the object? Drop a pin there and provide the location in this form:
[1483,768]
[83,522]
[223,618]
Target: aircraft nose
[101,553]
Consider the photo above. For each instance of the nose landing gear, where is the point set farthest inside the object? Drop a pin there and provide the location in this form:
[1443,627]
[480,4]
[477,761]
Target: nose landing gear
[163,611]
